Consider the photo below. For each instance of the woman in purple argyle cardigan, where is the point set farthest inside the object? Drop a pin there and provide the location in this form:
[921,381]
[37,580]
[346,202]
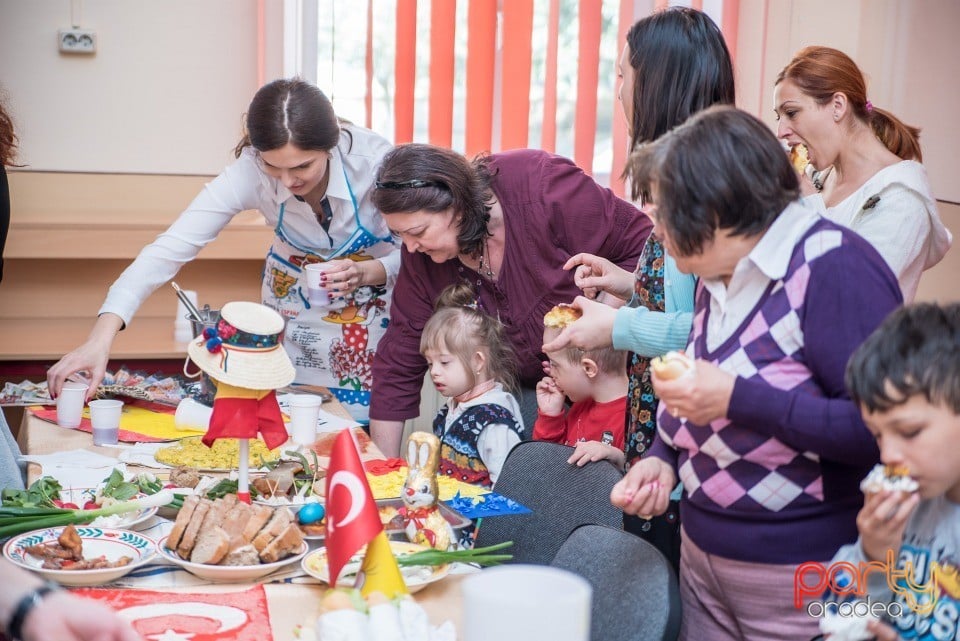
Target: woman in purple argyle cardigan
[761,432]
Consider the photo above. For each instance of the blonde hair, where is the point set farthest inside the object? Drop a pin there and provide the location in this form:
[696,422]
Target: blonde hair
[460,327]
[608,359]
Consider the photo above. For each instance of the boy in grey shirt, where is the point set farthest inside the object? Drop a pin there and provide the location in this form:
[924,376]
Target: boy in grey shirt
[906,380]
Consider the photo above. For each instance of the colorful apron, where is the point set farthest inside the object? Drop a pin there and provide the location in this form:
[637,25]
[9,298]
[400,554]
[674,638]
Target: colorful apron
[334,346]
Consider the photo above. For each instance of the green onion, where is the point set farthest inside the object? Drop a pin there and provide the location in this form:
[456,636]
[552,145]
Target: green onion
[15,521]
[478,556]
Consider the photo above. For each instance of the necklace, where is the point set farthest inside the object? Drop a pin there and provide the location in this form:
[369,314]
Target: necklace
[484,268]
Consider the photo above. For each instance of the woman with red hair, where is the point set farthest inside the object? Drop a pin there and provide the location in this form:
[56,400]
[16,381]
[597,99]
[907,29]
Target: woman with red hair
[865,163]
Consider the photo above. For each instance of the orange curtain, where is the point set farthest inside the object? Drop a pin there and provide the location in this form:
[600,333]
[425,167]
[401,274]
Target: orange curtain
[548,131]
[585,123]
[517,61]
[443,20]
[729,24]
[620,138]
[481,56]
[405,70]
[368,96]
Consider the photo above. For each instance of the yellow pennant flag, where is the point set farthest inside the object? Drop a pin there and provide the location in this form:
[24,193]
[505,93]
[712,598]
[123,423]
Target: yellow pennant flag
[379,571]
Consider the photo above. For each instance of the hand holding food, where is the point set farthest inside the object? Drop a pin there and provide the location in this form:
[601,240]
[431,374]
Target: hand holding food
[672,365]
[561,316]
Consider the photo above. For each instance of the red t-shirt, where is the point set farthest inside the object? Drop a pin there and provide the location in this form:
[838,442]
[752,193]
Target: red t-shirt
[585,421]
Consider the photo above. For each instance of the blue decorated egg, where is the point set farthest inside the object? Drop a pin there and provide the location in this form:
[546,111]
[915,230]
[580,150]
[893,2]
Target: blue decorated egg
[311,513]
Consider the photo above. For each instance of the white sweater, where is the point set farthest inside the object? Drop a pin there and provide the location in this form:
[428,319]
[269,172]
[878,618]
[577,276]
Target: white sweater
[895,211]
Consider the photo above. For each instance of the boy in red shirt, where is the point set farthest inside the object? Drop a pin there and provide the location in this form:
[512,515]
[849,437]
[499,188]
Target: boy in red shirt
[595,381]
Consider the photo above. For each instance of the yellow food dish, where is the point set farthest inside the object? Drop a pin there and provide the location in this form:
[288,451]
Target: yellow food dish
[224,455]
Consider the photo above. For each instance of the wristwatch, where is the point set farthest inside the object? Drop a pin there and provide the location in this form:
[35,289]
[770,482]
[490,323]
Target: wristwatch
[25,606]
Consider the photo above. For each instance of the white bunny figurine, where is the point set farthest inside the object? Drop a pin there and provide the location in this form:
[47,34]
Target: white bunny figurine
[423,522]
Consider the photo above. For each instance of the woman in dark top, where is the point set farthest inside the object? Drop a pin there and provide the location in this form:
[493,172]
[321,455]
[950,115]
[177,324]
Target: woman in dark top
[506,223]
[12,467]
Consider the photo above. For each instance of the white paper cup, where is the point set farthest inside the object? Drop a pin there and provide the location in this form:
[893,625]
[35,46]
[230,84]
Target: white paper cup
[70,404]
[304,413]
[316,294]
[526,603]
[192,415]
[105,417]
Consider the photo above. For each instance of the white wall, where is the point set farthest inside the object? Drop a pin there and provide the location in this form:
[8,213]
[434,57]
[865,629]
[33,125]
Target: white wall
[164,92]
[908,50]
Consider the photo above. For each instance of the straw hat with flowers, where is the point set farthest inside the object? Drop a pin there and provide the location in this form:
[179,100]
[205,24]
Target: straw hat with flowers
[245,348]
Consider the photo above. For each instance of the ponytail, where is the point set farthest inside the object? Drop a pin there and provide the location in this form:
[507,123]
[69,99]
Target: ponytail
[899,137]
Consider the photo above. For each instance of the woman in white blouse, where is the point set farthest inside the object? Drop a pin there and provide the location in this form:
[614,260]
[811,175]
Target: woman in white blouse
[310,175]
[867,162]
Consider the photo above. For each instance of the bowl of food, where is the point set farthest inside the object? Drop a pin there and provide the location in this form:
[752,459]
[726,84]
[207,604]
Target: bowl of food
[80,555]
[231,542]
[416,577]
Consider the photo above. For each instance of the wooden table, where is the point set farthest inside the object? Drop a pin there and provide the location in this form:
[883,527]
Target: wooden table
[289,604]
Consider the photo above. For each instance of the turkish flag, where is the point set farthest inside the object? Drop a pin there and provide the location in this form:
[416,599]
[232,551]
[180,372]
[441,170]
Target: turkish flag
[352,516]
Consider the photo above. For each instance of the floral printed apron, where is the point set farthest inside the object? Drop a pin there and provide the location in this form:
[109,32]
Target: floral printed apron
[333,346]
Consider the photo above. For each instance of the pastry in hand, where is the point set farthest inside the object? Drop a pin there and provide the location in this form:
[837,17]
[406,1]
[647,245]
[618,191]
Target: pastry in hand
[561,316]
[893,478]
[798,158]
[671,365]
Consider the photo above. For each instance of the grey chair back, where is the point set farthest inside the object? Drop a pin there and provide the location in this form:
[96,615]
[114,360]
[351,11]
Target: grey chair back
[561,498]
[635,593]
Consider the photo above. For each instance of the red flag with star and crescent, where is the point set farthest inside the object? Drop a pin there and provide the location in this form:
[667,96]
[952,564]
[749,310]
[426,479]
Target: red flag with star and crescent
[354,521]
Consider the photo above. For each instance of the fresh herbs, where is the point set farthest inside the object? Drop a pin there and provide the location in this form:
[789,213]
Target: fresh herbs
[41,493]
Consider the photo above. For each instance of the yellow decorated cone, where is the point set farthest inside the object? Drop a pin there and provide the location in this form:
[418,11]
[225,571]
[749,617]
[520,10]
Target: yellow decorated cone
[379,571]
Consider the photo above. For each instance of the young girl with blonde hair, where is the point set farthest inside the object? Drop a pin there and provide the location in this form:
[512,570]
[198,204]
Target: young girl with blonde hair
[471,364]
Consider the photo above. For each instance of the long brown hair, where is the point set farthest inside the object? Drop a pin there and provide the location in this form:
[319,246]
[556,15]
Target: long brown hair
[8,139]
[821,72]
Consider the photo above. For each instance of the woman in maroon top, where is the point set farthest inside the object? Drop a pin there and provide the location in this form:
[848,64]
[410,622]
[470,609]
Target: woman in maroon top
[506,223]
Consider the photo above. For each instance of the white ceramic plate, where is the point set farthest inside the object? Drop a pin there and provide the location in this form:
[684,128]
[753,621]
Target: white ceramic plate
[229,573]
[416,577]
[128,521]
[106,542]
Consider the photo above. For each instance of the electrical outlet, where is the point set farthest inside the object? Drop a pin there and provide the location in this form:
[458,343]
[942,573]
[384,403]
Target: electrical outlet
[78,40]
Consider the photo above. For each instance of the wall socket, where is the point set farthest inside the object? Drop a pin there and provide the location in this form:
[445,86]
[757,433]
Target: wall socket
[78,40]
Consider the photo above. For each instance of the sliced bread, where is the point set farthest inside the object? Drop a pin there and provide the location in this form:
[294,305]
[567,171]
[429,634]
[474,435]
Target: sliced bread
[259,516]
[243,555]
[278,522]
[183,520]
[189,538]
[212,545]
[283,545]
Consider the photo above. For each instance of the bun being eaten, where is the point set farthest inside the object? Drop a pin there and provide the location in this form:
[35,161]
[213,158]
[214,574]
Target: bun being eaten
[894,478]
[561,316]
[798,158]
[671,365]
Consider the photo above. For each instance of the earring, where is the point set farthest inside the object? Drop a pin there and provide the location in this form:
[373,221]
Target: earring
[836,117]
